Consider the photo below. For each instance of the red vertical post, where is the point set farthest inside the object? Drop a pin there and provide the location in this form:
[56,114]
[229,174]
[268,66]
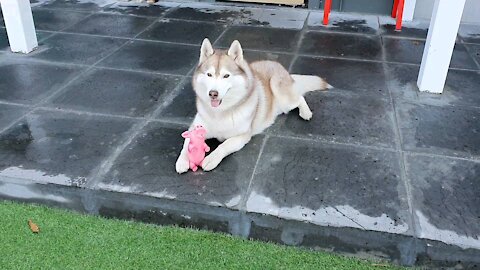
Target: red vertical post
[326,11]
[394,9]
[401,3]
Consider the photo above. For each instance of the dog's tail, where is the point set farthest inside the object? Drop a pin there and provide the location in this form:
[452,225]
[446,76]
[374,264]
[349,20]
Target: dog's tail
[306,83]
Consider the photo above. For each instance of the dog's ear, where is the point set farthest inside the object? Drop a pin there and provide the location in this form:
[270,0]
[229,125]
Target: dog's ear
[186,134]
[206,50]
[236,51]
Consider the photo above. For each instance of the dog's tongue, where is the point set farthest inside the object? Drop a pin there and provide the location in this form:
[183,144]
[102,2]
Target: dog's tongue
[215,103]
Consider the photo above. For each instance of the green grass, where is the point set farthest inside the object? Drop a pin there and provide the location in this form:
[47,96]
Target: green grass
[73,241]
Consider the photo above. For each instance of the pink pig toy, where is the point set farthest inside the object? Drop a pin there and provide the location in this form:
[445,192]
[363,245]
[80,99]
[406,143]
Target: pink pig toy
[196,147]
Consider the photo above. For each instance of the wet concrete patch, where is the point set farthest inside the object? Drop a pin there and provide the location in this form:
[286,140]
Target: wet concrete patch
[154,56]
[415,29]
[344,23]
[356,119]
[116,92]
[69,48]
[340,45]
[268,39]
[27,83]
[58,148]
[359,77]
[139,9]
[301,180]
[443,130]
[55,21]
[148,167]
[125,26]
[411,51]
[461,87]
[446,199]
[183,31]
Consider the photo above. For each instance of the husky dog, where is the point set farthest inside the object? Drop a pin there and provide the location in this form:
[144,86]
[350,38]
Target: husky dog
[237,100]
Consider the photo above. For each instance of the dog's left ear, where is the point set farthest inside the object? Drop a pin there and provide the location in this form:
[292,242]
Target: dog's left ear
[236,51]
[206,50]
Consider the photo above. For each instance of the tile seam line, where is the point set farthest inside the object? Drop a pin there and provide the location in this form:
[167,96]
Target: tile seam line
[11,60]
[298,44]
[471,55]
[56,92]
[92,66]
[101,171]
[242,205]
[401,162]
[96,175]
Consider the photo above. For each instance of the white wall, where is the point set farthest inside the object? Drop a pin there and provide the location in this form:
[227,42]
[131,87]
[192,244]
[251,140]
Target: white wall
[471,13]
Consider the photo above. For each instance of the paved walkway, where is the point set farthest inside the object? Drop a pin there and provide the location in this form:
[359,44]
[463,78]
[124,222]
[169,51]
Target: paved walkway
[92,120]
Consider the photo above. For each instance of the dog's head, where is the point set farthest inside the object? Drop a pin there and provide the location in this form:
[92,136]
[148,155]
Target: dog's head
[222,78]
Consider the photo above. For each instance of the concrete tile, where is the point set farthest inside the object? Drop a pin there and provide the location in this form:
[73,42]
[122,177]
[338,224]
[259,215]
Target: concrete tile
[356,119]
[182,107]
[9,113]
[330,185]
[442,130]
[116,92]
[341,45]
[111,25]
[52,20]
[411,51]
[183,31]
[78,49]
[346,75]
[147,167]
[267,39]
[446,199]
[59,148]
[27,82]
[461,87]
[154,56]
[344,22]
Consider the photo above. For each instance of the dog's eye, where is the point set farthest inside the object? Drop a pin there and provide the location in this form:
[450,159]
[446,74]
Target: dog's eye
[226,76]
[209,74]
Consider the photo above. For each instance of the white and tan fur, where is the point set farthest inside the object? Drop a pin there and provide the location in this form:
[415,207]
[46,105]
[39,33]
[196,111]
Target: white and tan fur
[249,98]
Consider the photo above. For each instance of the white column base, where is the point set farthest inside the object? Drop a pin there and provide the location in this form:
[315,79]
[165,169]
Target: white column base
[440,43]
[18,18]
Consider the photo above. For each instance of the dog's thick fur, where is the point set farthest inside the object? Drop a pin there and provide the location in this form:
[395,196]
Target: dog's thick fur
[250,97]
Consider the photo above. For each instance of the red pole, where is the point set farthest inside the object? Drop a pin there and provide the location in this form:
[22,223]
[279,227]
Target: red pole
[394,9]
[326,11]
[401,3]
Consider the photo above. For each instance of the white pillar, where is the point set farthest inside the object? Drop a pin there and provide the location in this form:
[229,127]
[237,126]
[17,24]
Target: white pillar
[409,10]
[17,15]
[440,43]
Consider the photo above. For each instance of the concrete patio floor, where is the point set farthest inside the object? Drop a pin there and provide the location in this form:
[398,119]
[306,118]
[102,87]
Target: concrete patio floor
[92,119]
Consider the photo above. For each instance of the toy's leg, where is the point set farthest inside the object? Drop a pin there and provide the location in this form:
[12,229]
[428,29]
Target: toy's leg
[193,166]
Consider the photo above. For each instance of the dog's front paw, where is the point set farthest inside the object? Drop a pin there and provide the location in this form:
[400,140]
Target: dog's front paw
[211,161]
[182,164]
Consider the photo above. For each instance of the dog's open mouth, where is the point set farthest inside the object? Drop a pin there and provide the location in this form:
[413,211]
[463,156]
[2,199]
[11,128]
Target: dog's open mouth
[215,102]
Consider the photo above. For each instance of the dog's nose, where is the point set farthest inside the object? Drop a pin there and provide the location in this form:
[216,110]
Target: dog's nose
[213,94]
